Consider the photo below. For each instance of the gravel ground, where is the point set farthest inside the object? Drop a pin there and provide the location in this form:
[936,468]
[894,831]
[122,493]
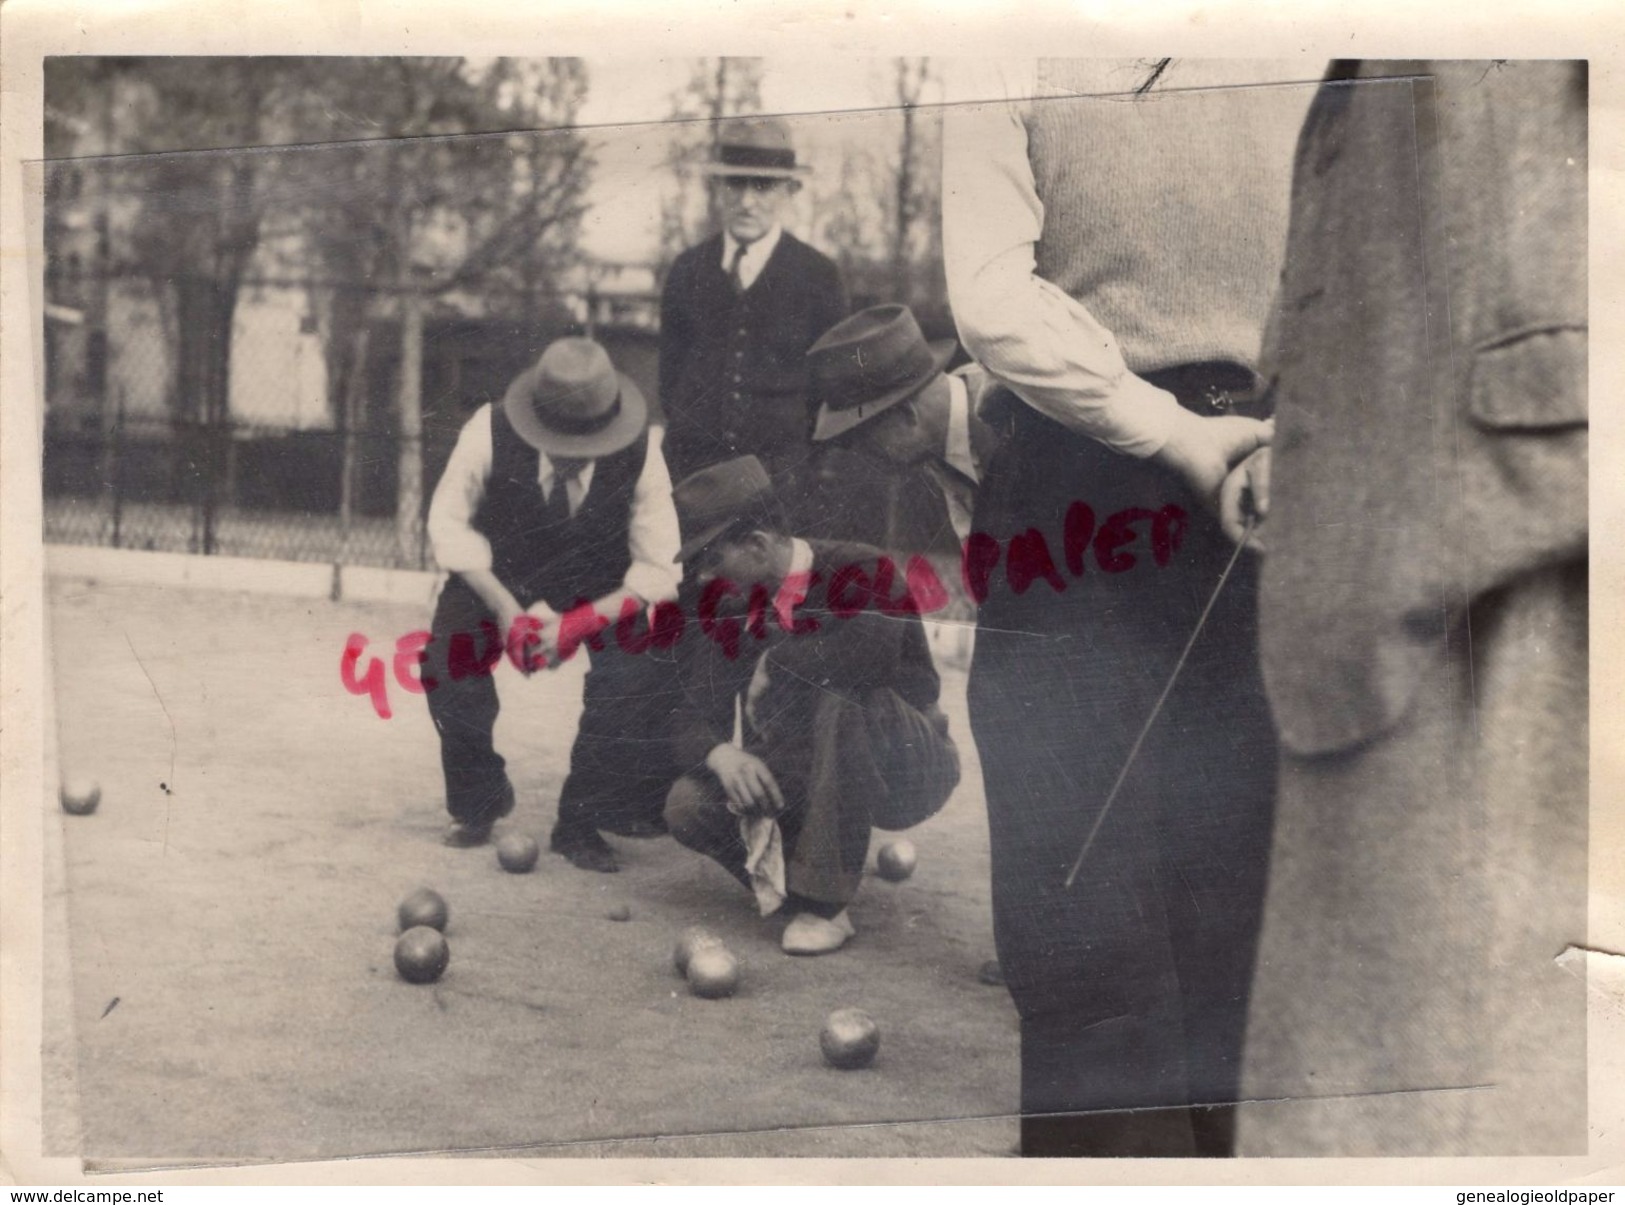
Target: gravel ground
[230,920]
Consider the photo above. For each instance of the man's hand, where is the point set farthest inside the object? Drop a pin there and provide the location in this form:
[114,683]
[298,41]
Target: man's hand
[750,785]
[1204,450]
[563,638]
[1245,495]
[526,634]
[515,624]
[547,642]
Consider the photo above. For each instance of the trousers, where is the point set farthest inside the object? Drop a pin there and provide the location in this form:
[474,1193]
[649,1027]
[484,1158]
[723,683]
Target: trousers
[1131,985]
[621,764]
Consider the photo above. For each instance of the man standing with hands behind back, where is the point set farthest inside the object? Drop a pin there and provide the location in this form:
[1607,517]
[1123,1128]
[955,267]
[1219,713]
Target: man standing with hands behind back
[738,314]
[1113,231]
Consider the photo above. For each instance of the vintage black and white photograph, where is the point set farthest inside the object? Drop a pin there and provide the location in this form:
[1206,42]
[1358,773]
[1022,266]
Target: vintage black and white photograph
[888,606]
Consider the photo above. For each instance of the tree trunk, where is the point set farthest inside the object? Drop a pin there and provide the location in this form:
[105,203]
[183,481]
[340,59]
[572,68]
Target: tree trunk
[905,206]
[409,482]
[909,85]
[217,405]
[355,391]
[719,109]
[189,413]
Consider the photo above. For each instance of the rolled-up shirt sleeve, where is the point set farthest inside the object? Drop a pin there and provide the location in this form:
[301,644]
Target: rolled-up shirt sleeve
[458,547]
[654,574]
[1025,331]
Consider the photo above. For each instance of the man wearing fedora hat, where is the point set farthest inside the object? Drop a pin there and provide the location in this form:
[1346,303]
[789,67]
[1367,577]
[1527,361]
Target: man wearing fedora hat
[555,507]
[799,732]
[738,313]
[881,389]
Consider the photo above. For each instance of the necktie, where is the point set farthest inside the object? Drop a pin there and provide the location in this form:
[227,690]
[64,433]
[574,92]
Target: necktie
[558,501]
[733,268]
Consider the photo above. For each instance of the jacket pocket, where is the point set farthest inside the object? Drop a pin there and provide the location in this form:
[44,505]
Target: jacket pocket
[1530,380]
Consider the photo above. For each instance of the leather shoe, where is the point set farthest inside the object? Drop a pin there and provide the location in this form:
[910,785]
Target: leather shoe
[586,851]
[506,807]
[467,834]
[809,934]
[464,835]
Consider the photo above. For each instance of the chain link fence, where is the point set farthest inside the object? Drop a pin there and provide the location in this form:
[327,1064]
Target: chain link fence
[301,465]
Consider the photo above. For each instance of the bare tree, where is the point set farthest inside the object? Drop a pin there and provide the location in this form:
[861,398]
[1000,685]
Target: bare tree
[196,219]
[432,213]
[911,192]
[847,214]
[879,212]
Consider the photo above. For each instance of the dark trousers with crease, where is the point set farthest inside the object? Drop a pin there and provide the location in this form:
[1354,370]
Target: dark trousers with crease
[845,766]
[1132,985]
[620,765]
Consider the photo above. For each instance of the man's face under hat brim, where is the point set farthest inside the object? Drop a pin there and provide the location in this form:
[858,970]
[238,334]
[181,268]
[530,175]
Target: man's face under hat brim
[833,423]
[618,433]
[701,542]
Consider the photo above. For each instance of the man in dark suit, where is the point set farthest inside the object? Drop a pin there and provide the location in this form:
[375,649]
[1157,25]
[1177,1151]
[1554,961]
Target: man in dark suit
[810,711]
[738,314]
[1423,615]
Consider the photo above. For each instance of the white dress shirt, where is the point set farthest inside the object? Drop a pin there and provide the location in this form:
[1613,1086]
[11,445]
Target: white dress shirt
[958,456]
[958,452]
[756,254]
[1025,331]
[653,536]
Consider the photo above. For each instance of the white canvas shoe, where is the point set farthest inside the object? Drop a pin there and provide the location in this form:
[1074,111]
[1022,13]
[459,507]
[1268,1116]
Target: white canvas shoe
[809,934]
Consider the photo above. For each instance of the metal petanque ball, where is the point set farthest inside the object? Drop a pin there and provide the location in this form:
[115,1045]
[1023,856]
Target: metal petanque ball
[694,938]
[850,1039]
[421,955]
[517,853]
[713,973]
[80,796]
[896,860]
[423,907]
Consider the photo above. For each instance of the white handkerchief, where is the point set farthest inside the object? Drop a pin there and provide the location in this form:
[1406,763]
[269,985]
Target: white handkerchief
[764,841]
[764,860]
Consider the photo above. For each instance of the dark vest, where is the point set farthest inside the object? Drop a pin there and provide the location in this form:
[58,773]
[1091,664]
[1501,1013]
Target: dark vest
[561,564]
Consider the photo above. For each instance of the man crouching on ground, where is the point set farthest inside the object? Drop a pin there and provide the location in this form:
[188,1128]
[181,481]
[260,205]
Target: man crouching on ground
[810,709]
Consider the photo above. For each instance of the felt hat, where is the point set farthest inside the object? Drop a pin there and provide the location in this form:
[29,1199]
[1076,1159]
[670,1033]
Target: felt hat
[755,147]
[714,499]
[572,402]
[868,363]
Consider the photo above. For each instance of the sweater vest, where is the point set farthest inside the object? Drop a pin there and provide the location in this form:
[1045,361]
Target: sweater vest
[563,563]
[1165,212]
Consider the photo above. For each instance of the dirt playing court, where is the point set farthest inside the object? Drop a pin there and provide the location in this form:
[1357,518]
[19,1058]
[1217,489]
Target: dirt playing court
[230,917]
